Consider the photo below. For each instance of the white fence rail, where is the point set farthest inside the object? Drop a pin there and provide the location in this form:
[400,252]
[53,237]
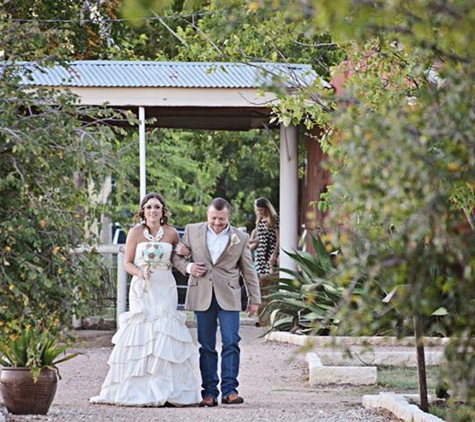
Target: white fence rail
[112,249]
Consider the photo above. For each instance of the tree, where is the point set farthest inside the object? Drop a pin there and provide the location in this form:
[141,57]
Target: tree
[50,157]
[246,164]
[70,29]
[402,155]
[239,31]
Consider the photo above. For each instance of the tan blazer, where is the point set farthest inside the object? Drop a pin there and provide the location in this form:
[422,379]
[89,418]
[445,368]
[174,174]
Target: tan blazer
[223,275]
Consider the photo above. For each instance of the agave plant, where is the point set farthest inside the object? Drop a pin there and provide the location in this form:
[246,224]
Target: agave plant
[304,303]
[318,300]
[34,349]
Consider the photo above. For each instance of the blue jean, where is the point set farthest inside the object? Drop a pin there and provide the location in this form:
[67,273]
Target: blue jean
[207,326]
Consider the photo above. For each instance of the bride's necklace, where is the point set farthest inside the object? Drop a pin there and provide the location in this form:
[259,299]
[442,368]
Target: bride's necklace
[155,238]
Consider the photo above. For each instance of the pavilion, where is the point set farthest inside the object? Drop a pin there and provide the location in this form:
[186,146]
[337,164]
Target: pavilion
[195,95]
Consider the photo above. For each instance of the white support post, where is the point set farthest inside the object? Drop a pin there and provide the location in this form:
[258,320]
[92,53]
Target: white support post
[121,284]
[142,147]
[77,322]
[288,203]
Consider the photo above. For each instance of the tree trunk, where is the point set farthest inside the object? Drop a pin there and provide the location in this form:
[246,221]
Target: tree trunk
[421,363]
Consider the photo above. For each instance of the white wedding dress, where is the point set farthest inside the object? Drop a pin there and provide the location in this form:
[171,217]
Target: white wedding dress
[154,361]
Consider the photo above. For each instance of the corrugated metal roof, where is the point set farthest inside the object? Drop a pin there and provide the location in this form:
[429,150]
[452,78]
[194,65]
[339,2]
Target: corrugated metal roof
[131,74]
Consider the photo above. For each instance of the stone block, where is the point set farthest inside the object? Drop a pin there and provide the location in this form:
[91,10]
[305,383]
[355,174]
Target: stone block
[355,375]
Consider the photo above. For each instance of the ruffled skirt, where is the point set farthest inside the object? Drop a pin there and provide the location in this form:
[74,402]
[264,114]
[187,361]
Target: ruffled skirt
[154,362]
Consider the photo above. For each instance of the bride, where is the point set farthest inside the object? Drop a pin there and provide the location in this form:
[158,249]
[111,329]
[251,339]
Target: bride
[154,360]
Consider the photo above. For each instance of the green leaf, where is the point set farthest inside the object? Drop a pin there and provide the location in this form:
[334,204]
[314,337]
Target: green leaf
[440,312]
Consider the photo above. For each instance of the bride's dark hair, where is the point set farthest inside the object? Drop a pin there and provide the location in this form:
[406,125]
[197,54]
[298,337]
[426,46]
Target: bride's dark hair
[140,216]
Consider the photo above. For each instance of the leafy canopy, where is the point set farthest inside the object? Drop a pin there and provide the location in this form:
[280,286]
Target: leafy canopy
[402,155]
[51,159]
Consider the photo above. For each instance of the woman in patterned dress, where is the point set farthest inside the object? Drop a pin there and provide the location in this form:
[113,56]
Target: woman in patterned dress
[265,243]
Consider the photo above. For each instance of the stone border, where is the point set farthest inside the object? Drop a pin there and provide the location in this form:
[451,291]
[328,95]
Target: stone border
[356,375]
[362,374]
[379,358]
[324,341]
[400,406]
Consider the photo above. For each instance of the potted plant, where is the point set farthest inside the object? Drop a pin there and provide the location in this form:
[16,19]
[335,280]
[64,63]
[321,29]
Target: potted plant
[29,374]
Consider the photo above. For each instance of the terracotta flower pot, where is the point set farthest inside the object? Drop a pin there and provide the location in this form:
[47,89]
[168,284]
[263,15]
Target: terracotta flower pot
[22,396]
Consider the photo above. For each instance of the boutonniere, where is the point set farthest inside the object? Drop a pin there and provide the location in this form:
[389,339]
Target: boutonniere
[234,240]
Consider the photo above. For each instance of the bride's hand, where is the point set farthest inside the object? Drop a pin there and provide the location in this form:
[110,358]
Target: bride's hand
[183,250]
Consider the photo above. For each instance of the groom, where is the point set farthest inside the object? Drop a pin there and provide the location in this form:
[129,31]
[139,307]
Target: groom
[216,255]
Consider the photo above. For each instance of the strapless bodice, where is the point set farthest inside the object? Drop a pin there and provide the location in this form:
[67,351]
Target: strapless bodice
[155,254]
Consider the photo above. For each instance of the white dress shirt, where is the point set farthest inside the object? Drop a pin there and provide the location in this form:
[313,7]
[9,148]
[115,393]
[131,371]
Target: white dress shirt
[216,244]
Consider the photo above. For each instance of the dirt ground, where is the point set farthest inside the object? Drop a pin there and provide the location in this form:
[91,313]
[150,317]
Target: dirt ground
[273,382]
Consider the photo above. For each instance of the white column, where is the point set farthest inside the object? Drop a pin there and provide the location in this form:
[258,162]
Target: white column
[121,284]
[143,172]
[288,202]
[77,323]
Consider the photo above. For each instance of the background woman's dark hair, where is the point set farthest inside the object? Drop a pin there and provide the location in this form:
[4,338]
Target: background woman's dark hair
[262,203]
[140,216]
[271,212]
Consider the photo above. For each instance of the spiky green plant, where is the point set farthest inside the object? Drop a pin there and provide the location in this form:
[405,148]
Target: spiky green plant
[305,301]
[315,299]
[35,349]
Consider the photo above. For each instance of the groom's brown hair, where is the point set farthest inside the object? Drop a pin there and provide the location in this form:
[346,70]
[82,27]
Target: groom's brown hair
[220,204]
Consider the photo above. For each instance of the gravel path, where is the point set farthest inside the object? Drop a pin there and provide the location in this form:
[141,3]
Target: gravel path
[274,384]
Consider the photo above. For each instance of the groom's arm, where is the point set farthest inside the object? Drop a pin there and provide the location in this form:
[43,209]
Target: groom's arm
[249,274]
[179,260]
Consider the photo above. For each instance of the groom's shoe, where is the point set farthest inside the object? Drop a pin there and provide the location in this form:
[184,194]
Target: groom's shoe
[208,402]
[232,399]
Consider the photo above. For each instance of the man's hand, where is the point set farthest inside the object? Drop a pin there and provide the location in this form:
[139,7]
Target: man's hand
[252,310]
[198,269]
